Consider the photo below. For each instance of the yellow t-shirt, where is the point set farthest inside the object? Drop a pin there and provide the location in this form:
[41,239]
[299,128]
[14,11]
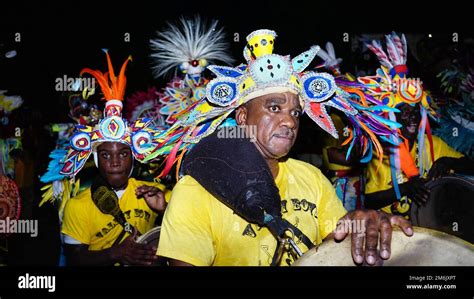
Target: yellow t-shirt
[383,179]
[200,230]
[84,222]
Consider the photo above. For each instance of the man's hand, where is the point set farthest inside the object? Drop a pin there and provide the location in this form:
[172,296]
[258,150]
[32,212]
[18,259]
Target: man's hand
[153,196]
[372,224]
[416,190]
[442,166]
[131,253]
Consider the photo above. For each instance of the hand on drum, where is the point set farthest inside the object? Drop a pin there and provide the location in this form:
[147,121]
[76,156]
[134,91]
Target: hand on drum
[130,252]
[416,190]
[153,196]
[442,166]
[374,228]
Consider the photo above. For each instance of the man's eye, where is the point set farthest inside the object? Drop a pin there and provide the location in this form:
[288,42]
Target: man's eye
[296,113]
[274,108]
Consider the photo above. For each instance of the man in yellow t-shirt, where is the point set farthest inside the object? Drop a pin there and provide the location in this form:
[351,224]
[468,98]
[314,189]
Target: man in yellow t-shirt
[94,238]
[380,193]
[206,221]
[200,230]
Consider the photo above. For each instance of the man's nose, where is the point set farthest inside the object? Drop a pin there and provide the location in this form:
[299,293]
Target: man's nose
[115,161]
[288,120]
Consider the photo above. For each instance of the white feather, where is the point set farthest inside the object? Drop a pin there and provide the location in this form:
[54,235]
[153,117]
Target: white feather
[188,40]
[376,47]
[330,49]
[404,55]
[392,51]
[323,55]
[329,56]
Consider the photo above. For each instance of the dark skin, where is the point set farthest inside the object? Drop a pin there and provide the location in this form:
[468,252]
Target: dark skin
[415,188]
[115,163]
[276,117]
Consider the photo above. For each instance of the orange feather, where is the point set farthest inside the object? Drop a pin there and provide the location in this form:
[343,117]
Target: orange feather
[112,87]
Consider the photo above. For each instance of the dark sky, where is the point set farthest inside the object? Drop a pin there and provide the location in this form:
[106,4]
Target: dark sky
[61,38]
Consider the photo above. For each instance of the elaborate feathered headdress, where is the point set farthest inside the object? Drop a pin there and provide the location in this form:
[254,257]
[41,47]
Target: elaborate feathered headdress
[188,46]
[265,73]
[391,83]
[112,128]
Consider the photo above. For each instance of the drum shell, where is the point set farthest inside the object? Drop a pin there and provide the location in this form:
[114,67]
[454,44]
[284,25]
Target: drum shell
[450,208]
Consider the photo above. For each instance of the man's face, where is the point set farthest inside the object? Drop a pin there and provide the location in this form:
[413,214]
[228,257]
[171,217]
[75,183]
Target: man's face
[276,119]
[409,119]
[115,163]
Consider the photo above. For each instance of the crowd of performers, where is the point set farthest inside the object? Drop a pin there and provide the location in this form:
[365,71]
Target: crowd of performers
[174,158]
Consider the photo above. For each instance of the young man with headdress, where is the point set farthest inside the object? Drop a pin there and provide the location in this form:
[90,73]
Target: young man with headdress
[241,201]
[100,224]
[420,156]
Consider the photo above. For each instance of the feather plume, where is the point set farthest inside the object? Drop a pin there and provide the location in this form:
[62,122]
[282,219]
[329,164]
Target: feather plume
[190,39]
[112,87]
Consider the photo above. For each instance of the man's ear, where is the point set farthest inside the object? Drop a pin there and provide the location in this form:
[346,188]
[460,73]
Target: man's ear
[241,115]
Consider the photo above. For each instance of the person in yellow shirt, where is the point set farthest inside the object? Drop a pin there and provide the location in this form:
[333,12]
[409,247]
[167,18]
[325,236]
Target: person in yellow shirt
[241,199]
[92,237]
[401,178]
[380,193]
[100,225]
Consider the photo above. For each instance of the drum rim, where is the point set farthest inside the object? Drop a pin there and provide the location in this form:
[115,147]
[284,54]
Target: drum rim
[466,180]
[149,232]
[454,238]
[416,229]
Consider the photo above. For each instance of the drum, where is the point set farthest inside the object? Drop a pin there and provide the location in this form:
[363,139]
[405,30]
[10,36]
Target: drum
[450,207]
[426,247]
[151,238]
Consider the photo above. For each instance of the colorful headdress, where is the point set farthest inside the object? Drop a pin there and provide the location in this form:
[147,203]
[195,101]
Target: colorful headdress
[112,128]
[391,82]
[188,47]
[265,73]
